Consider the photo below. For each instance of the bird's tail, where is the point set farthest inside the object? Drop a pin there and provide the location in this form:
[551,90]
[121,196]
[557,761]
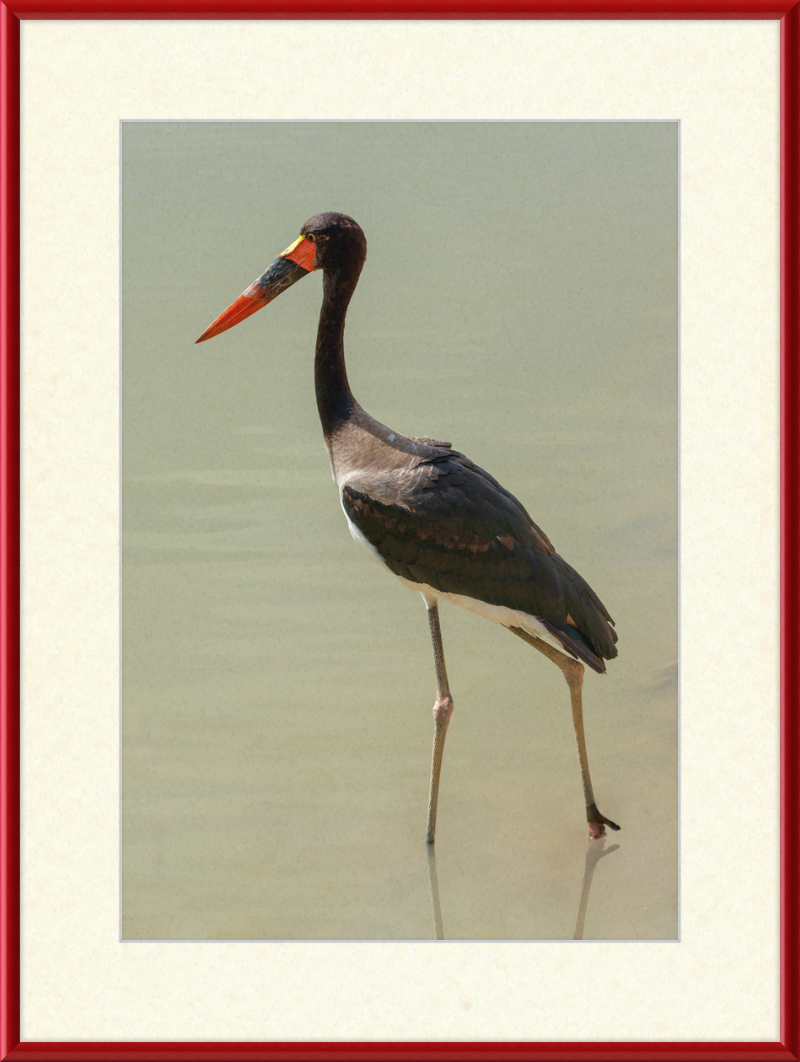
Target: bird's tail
[576,645]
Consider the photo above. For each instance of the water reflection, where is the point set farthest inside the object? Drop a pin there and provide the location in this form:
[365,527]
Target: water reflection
[595,851]
[433,881]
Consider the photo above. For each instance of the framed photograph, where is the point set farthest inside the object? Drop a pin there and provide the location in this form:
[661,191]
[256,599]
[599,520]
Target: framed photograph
[582,273]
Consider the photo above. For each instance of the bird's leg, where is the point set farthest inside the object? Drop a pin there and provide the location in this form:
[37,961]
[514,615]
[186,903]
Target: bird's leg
[442,710]
[573,673]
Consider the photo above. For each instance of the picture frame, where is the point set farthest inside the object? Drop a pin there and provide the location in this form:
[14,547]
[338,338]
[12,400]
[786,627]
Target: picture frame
[788,1047]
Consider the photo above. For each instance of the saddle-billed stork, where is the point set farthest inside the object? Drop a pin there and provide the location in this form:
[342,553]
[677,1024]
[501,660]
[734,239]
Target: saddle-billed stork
[439,523]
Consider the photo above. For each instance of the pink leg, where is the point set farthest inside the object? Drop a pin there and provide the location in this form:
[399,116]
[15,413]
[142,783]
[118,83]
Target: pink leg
[442,710]
[573,673]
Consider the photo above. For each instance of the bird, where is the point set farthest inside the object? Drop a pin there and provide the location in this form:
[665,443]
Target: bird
[436,521]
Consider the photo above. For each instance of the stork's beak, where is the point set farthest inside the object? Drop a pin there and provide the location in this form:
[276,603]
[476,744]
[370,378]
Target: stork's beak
[295,262]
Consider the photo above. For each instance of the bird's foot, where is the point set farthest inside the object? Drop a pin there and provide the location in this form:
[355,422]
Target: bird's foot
[598,822]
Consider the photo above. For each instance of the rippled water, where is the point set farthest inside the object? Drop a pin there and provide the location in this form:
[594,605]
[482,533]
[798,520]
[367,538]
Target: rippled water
[520,299]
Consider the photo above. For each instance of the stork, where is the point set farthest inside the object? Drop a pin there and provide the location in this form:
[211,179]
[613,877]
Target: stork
[426,513]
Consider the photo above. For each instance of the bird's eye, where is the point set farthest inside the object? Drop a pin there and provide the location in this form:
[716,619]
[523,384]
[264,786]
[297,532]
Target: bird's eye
[311,238]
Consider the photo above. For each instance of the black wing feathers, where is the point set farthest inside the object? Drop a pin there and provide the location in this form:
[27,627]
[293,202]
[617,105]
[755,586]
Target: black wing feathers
[455,528]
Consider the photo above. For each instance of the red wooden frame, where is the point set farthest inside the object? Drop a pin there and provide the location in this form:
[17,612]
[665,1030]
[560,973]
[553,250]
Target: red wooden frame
[10,15]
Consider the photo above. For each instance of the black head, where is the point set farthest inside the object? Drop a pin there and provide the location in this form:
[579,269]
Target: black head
[338,240]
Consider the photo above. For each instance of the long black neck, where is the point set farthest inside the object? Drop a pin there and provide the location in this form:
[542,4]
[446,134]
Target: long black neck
[335,400]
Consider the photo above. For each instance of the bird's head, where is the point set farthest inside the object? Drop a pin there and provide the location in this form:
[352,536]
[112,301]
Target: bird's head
[327,241]
[337,239]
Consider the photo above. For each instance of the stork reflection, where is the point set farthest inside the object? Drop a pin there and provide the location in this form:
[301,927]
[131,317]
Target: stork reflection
[595,851]
[433,881]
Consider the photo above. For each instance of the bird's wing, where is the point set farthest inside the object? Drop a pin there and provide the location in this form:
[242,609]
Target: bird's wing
[453,527]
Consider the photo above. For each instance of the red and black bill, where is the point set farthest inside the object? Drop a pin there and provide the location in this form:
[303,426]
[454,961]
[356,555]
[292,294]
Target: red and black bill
[296,262]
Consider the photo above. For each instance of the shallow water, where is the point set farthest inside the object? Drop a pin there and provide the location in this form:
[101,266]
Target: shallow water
[519,299]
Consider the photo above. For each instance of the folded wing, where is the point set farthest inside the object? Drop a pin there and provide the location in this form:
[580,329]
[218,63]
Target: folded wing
[456,529]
